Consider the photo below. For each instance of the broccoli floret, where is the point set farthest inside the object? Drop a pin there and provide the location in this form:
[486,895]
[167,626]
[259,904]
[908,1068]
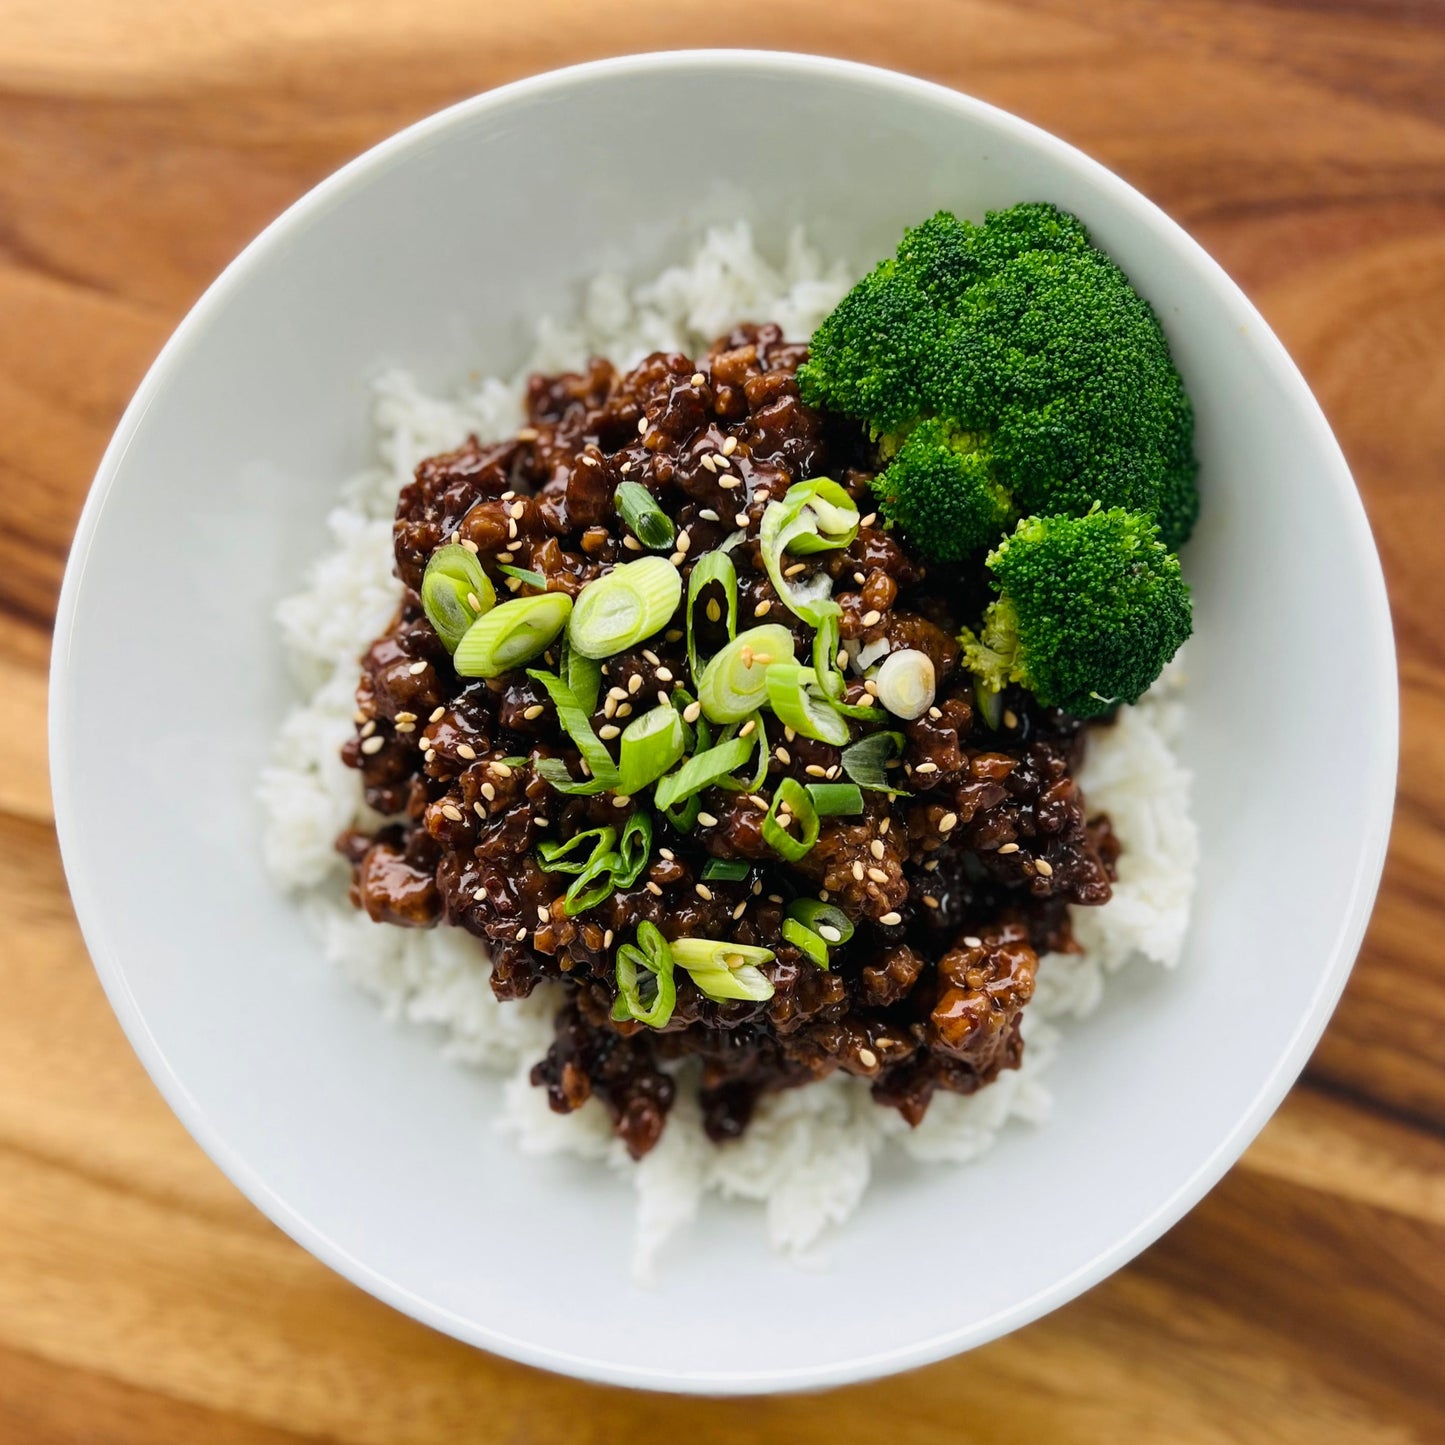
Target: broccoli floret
[942,482]
[1089,610]
[1022,335]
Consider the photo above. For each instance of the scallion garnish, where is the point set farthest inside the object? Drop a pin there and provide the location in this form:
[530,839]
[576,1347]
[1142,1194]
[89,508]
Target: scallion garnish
[455,592]
[597,881]
[790,828]
[638,508]
[865,760]
[634,847]
[628,604]
[576,724]
[524,574]
[906,683]
[703,769]
[582,674]
[512,634]
[574,855]
[725,870]
[642,968]
[760,766]
[796,698]
[813,947]
[836,800]
[735,683]
[650,745]
[725,970]
[831,924]
[810,517]
[711,567]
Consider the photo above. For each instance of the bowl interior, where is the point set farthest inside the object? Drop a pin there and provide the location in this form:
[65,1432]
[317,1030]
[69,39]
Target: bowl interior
[437,252]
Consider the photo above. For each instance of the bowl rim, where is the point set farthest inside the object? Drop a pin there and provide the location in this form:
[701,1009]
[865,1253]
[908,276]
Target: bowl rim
[1381,689]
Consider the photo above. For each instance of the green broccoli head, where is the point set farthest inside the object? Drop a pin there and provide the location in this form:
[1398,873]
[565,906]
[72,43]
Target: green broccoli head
[1089,610]
[942,483]
[1023,335]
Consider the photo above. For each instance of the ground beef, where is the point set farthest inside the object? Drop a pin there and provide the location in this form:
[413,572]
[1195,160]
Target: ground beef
[955,886]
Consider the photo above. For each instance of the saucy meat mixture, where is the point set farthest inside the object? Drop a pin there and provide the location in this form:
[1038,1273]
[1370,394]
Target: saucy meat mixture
[955,882]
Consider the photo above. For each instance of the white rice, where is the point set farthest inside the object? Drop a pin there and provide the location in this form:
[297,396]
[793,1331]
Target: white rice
[809,1153]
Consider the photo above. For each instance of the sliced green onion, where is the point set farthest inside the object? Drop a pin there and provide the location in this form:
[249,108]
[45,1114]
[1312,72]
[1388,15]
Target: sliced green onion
[642,968]
[576,724]
[811,517]
[573,856]
[825,651]
[598,880]
[735,682]
[836,800]
[990,703]
[512,634]
[638,508]
[735,784]
[907,683]
[828,514]
[866,759]
[631,602]
[650,745]
[634,848]
[702,770]
[805,939]
[711,567]
[455,592]
[791,801]
[725,870]
[523,574]
[796,698]
[724,970]
[831,924]
[582,674]
[683,816]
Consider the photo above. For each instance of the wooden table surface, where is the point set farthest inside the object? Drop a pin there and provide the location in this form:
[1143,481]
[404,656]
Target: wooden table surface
[142,142]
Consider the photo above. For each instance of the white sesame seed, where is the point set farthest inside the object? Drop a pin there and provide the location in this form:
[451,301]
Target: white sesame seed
[889,920]
[948,822]
[729,446]
[1044,867]
[479,810]
[885,825]
[707,820]
[676,559]
[499,768]
[790,733]
[930,901]
[926,768]
[429,756]
[698,378]
[878,875]
[870,687]
[651,656]
[625,468]
[708,515]
[692,712]
[358,717]
[521,932]
[707,461]
[608,731]
[470,545]
[747,728]
[511,529]
[741,520]
[624,709]
[721,462]
[714,610]
[827,931]
[607,939]
[876,848]
[795,569]
[833,771]
[664,674]
[972,940]
[417,668]
[516,510]
[859,578]
[684,541]
[871,618]
[740,909]
[869,520]
[634,683]
[783,756]
[467,751]
[1009,848]
[368,727]
[662,697]
[622,800]
[728,483]
[934,713]
[815,770]
[1010,718]
[373,745]
[450,810]
[534,712]
[703,892]
[758,800]
[653,888]
[868,1058]
[642,426]
[858,871]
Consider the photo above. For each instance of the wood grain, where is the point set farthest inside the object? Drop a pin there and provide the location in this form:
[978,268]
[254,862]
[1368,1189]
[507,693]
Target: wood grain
[142,142]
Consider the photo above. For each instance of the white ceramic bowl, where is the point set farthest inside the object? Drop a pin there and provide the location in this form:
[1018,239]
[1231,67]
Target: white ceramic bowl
[435,250]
